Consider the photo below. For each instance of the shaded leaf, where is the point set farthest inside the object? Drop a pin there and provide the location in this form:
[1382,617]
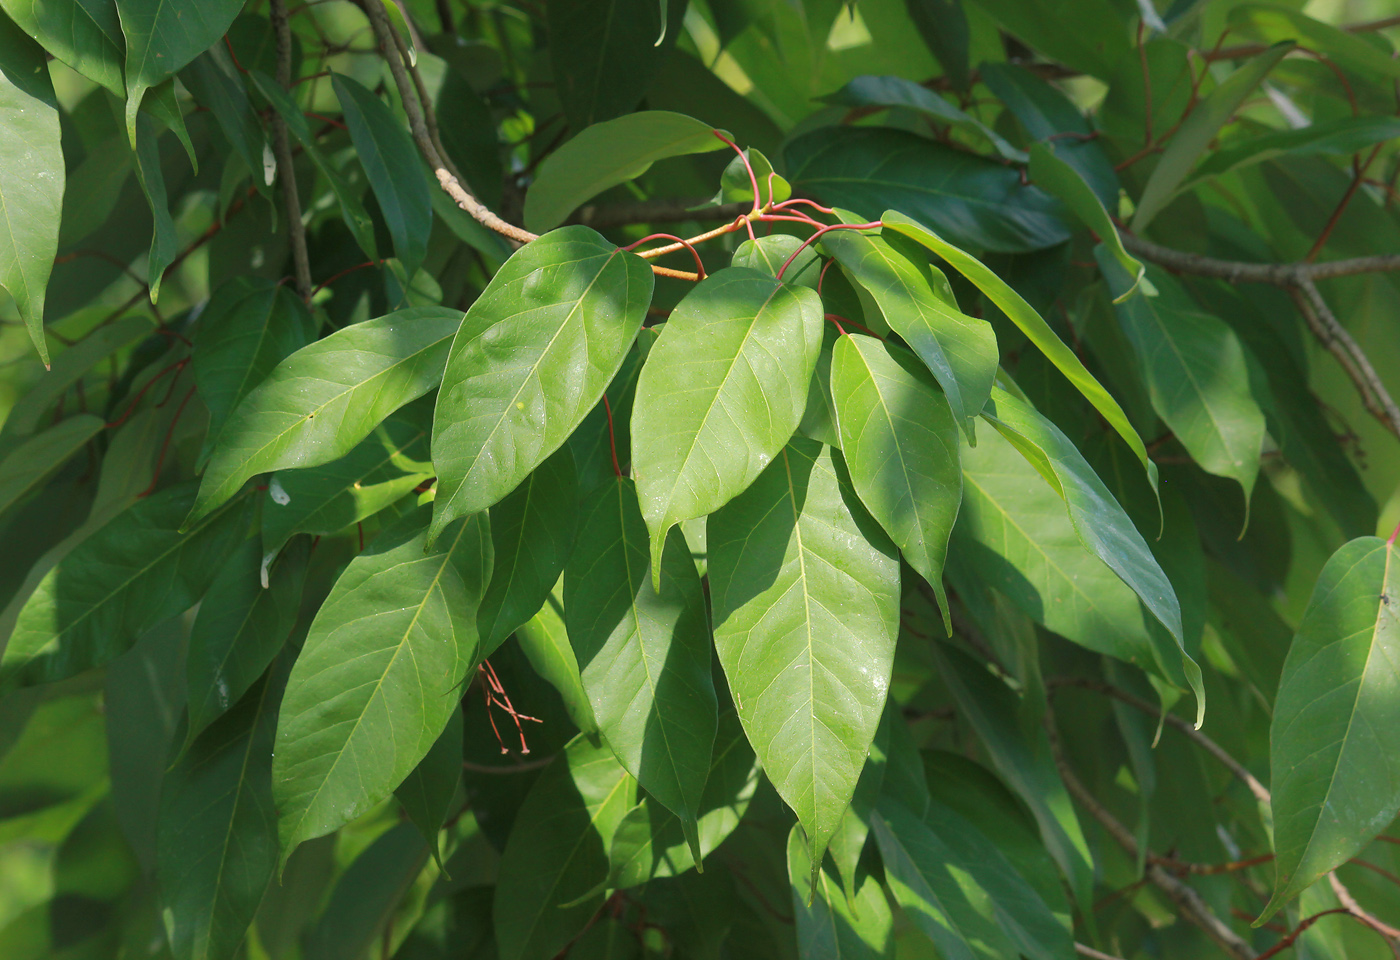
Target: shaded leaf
[426,794]
[545,642]
[367,895]
[870,91]
[828,927]
[85,34]
[736,186]
[152,179]
[25,467]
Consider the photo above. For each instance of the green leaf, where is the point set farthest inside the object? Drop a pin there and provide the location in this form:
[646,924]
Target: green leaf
[1197,376]
[1087,35]
[720,394]
[977,202]
[152,179]
[545,642]
[1198,130]
[900,444]
[943,26]
[735,186]
[829,926]
[320,402]
[1034,327]
[607,154]
[214,82]
[918,304]
[960,890]
[768,254]
[394,169]
[377,681]
[532,532]
[368,896]
[27,465]
[1276,23]
[240,628]
[161,38]
[870,91]
[1336,728]
[31,178]
[426,795]
[216,839]
[644,654]
[805,588]
[848,843]
[249,326]
[130,575]
[557,853]
[565,308]
[1338,138]
[85,34]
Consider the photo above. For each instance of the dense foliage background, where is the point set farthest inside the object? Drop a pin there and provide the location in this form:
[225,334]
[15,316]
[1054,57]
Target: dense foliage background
[467,465]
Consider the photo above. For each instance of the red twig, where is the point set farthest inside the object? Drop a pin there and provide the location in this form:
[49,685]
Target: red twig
[177,366]
[1289,940]
[872,225]
[348,270]
[753,180]
[1358,176]
[612,438]
[234,56]
[496,695]
[165,445]
[822,276]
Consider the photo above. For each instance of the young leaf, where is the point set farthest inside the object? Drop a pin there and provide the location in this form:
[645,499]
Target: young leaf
[395,172]
[900,443]
[828,925]
[321,401]
[379,675]
[918,304]
[133,573]
[426,795]
[26,466]
[805,588]
[735,185]
[85,35]
[644,654]
[557,853]
[1336,728]
[564,309]
[720,394]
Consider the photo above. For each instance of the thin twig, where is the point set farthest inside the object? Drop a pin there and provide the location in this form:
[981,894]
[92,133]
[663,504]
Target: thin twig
[296,230]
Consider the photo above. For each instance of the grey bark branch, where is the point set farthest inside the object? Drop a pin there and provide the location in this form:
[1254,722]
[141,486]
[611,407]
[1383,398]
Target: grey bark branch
[282,147]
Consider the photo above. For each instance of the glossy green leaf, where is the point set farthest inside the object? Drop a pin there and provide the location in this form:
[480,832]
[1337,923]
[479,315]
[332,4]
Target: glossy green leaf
[240,628]
[544,640]
[320,402]
[1197,375]
[377,681]
[126,578]
[849,842]
[607,154]
[532,532]
[917,303]
[900,443]
[557,853]
[644,654]
[720,394]
[248,328]
[602,70]
[827,925]
[564,309]
[1198,130]
[27,465]
[216,840]
[161,38]
[805,588]
[735,185]
[426,794]
[1034,327]
[85,34]
[394,170]
[31,177]
[976,202]
[1336,728]
[870,91]
[943,26]
[768,254]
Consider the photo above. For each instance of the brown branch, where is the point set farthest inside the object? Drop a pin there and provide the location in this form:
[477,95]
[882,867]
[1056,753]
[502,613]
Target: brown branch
[296,230]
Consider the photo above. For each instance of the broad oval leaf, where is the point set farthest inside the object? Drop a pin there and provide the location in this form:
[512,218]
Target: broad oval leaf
[85,34]
[320,402]
[720,394]
[533,357]
[828,924]
[976,202]
[379,675]
[26,466]
[557,853]
[805,587]
[1335,737]
[900,443]
[644,655]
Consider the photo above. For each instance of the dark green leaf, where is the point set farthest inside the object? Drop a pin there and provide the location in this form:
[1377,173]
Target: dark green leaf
[30,462]
[427,793]
[469,134]
[943,25]
[871,91]
[214,82]
[1088,35]
[367,895]
[152,179]
[1339,138]
[736,186]
[85,34]
[545,642]
[827,925]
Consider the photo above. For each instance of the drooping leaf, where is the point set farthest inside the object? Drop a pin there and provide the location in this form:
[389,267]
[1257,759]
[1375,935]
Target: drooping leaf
[1339,138]
[426,794]
[395,172]
[25,467]
[827,924]
[943,26]
[85,34]
[900,443]
[376,683]
[557,853]
[31,177]
[214,82]
[805,588]
[133,573]
[644,654]
[320,402]
[240,628]
[564,309]
[152,179]
[720,394]
[532,532]
[976,202]
[607,154]
[1336,783]
[368,895]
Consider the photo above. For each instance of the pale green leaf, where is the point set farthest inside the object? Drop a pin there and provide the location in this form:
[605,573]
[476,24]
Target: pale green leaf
[544,640]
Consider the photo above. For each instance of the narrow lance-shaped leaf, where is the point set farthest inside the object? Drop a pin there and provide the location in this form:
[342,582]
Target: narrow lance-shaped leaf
[644,654]
[1335,737]
[378,678]
[829,926]
[805,587]
[320,402]
[26,466]
[545,642]
[152,179]
[533,357]
[720,395]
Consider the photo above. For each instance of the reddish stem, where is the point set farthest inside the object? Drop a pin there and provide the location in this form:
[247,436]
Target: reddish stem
[822,276]
[812,203]
[165,445]
[612,438]
[699,267]
[1391,543]
[836,319]
[348,270]
[1289,940]
[176,366]
[753,180]
[872,225]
